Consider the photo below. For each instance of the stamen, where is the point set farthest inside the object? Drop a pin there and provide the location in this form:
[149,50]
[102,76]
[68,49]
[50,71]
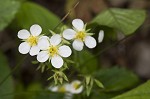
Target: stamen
[62,89]
[32,40]
[53,50]
[76,85]
[80,35]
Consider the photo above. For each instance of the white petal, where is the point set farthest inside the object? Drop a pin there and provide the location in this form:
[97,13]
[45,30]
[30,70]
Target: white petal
[69,34]
[35,30]
[57,61]
[100,36]
[78,24]
[64,51]
[43,43]
[44,37]
[77,45]
[90,42]
[55,39]
[67,87]
[23,34]
[24,48]
[43,56]
[53,88]
[34,50]
[73,90]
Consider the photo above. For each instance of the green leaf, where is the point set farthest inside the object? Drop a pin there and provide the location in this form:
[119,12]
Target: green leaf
[31,13]
[116,79]
[102,95]
[49,95]
[39,94]
[141,92]
[87,62]
[87,79]
[65,77]
[99,84]
[124,20]
[8,9]
[89,87]
[36,91]
[35,62]
[7,86]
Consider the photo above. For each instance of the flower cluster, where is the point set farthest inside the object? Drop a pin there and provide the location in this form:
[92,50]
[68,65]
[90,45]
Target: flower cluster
[75,87]
[52,48]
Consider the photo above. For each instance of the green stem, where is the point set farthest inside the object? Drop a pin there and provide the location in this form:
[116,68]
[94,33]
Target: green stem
[66,15]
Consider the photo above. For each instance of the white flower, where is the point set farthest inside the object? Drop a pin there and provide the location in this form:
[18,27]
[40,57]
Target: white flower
[100,36]
[53,88]
[76,87]
[63,88]
[30,39]
[79,35]
[52,50]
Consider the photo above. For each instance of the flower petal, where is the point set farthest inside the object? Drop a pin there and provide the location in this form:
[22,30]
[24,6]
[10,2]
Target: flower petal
[24,48]
[43,56]
[55,39]
[23,34]
[77,45]
[53,88]
[100,36]
[35,30]
[73,88]
[67,87]
[43,43]
[57,61]
[64,51]
[34,50]
[90,42]
[69,34]
[78,24]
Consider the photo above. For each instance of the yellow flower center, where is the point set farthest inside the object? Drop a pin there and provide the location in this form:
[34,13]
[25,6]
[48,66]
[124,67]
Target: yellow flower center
[80,35]
[53,50]
[32,40]
[76,85]
[62,89]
